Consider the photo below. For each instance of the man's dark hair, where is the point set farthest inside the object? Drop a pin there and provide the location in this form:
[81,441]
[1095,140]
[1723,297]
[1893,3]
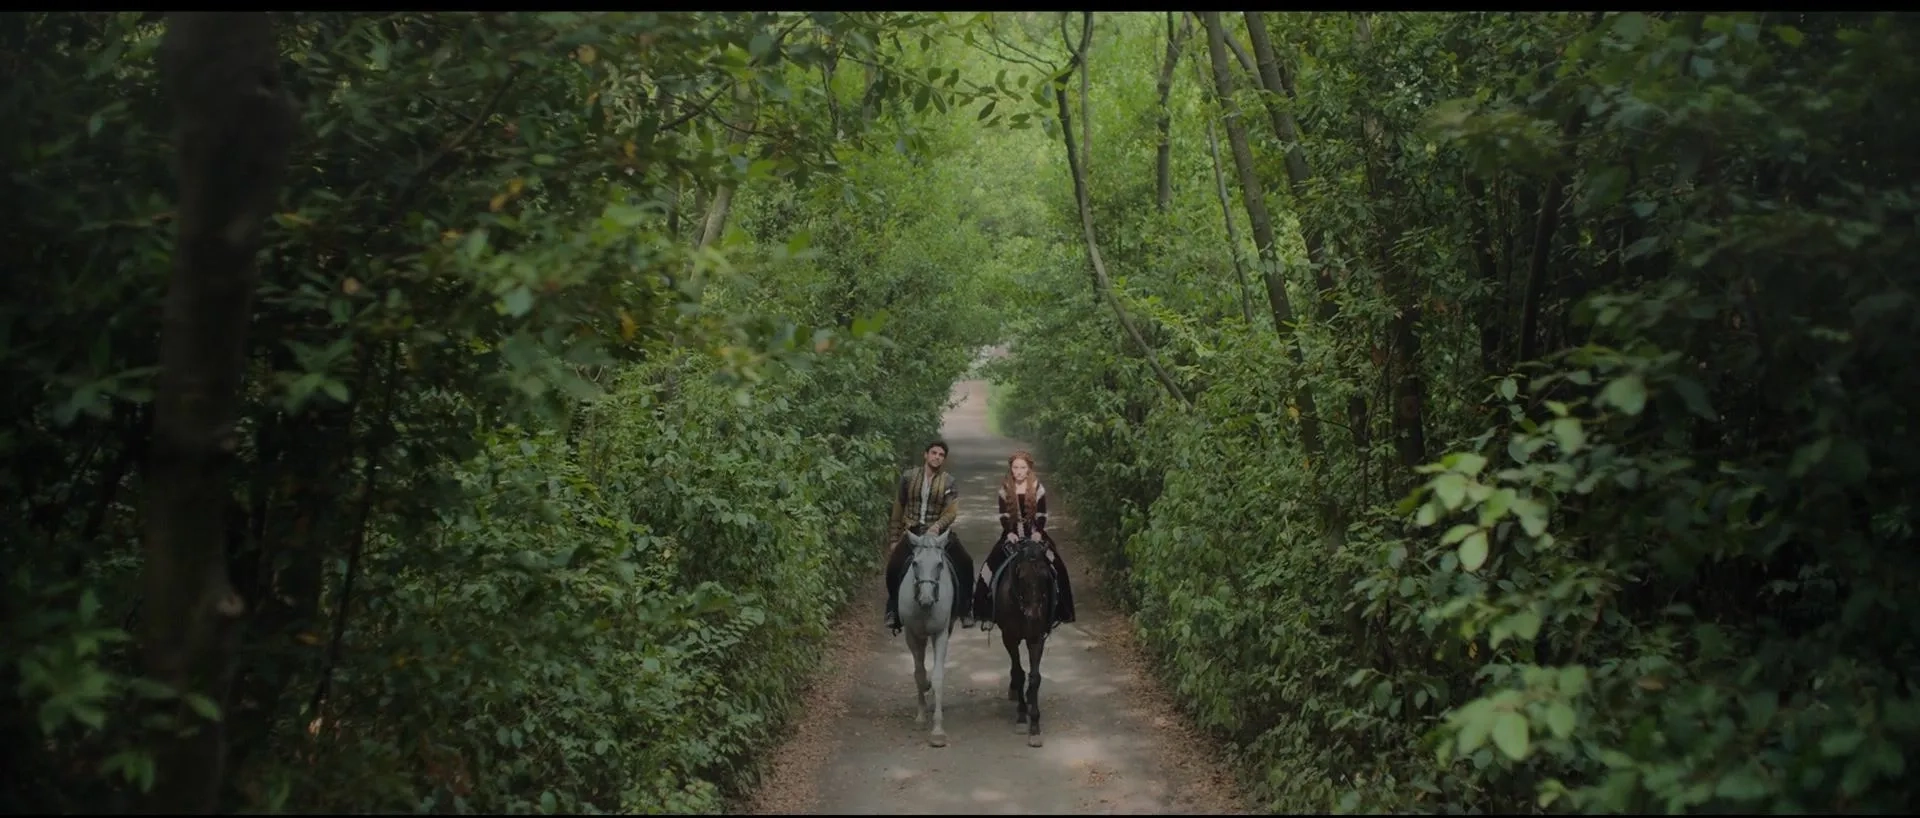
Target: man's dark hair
[941,443]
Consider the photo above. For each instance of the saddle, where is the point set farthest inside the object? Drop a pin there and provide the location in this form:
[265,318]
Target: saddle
[1053,569]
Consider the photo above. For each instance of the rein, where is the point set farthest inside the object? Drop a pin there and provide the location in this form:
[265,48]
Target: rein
[1028,549]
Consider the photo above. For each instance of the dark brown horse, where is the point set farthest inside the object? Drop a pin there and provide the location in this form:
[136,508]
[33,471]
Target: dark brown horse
[1024,596]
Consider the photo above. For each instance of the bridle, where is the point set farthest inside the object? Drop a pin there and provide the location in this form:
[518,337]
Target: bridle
[1028,549]
[914,568]
[919,580]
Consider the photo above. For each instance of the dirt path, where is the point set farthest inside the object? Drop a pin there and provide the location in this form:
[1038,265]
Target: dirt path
[1114,744]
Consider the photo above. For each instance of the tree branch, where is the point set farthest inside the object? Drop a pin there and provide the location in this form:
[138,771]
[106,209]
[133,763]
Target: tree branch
[694,110]
[1102,283]
[1163,156]
[1032,59]
[1226,210]
[369,492]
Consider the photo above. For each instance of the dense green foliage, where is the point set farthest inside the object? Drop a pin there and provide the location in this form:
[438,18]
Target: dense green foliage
[1660,564]
[547,500]
[1574,475]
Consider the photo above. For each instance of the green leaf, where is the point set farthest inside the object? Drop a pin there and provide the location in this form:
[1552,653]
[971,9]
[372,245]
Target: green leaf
[1473,731]
[1525,624]
[1695,397]
[90,715]
[203,706]
[1560,719]
[1808,456]
[1568,432]
[1630,26]
[1466,463]
[1496,506]
[517,302]
[1629,393]
[1841,742]
[1458,533]
[1573,680]
[474,244]
[1451,489]
[1473,551]
[1743,784]
[1603,189]
[1510,735]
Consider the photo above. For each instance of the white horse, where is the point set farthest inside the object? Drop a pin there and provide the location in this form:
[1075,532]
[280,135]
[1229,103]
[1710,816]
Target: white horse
[926,614]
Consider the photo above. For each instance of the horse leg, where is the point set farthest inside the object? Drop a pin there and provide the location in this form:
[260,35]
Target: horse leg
[1017,678]
[1035,647]
[940,641]
[918,644]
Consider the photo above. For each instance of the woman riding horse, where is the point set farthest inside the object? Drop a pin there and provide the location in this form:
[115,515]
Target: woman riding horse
[1023,514]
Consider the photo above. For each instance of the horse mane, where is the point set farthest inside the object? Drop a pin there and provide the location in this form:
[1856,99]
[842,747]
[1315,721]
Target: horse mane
[1031,572]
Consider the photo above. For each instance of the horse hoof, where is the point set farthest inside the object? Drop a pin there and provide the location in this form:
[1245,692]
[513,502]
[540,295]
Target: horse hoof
[937,740]
[1034,740]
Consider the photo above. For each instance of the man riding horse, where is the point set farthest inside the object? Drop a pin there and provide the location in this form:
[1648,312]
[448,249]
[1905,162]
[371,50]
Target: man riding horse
[926,499]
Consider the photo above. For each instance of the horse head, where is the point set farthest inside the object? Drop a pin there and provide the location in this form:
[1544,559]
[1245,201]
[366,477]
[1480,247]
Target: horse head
[929,566]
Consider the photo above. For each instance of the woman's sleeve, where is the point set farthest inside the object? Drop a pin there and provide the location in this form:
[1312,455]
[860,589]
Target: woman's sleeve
[1040,509]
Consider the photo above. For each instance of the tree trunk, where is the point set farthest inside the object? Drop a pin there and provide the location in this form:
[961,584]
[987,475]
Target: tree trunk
[1226,212]
[1267,70]
[716,221]
[1086,91]
[1101,282]
[1163,159]
[1552,198]
[1253,197]
[1298,173]
[235,126]
[1408,388]
[1489,314]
